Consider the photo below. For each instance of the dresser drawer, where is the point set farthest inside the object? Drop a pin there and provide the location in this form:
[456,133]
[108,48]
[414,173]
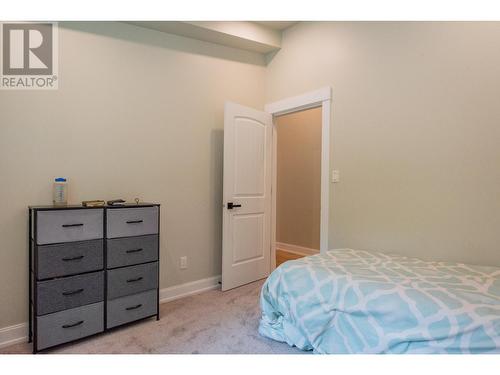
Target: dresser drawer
[127,222]
[132,250]
[69,325]
[69,225]
[69,292]
[127,309]
[69,258]
[131,280]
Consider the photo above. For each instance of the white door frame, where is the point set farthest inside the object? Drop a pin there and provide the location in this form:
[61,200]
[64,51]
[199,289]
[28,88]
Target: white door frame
[318,98]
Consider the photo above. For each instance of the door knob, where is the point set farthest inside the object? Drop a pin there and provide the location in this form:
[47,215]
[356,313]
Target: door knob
[231,205]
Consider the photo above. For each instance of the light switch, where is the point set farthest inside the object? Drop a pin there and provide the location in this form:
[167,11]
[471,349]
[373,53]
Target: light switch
[335,176]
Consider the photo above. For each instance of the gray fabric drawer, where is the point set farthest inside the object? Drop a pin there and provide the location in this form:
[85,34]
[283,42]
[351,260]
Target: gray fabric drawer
[130,308]
[132,250]
[69,325]
[69,292]
[131,280]
[69,225]
[69,258]
[127,222]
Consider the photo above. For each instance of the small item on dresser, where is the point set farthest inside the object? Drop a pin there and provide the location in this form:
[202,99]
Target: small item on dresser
[116,202]
[94,203]
[60,192]
[137,200]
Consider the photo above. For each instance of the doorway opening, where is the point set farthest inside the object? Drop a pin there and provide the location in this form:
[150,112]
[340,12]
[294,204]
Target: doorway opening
[298,184]
[320,99]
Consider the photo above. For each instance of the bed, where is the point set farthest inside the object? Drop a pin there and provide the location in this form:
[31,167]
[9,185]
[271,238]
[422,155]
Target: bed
[352,301]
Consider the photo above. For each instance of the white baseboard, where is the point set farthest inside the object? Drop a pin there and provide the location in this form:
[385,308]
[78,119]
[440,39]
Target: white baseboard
[296,249]
[187,289]
[19,332]
[13,334]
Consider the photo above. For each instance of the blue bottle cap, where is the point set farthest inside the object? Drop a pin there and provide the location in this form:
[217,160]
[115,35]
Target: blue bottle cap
[60,179]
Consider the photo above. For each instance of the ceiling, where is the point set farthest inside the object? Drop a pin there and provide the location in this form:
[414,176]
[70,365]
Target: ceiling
[256,36]
[277,25]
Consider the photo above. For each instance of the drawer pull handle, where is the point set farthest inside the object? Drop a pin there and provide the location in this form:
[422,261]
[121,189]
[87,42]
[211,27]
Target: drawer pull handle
[73,292]
[134,280]
[133,251]
[73,258]
[72,225]
[73,325]
[134,221]
[134,307]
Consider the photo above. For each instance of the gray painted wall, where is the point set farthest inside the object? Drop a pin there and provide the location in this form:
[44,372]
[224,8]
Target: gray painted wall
[138,113]
[415,131]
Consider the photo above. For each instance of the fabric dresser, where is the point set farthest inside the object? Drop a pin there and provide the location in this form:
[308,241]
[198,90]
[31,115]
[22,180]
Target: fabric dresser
[91,269]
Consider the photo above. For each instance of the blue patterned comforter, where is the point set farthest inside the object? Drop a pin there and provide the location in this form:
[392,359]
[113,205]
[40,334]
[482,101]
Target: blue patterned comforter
[349,301]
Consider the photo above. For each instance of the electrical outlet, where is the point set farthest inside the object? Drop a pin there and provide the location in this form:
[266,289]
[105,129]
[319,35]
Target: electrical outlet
[184,263]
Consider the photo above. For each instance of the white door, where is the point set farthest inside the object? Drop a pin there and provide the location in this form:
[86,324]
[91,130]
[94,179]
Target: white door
[246,237]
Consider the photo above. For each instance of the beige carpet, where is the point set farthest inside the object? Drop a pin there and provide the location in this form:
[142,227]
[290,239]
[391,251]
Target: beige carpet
[212,322]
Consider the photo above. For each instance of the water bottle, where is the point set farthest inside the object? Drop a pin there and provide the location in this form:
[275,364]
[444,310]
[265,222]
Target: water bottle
[60,196]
